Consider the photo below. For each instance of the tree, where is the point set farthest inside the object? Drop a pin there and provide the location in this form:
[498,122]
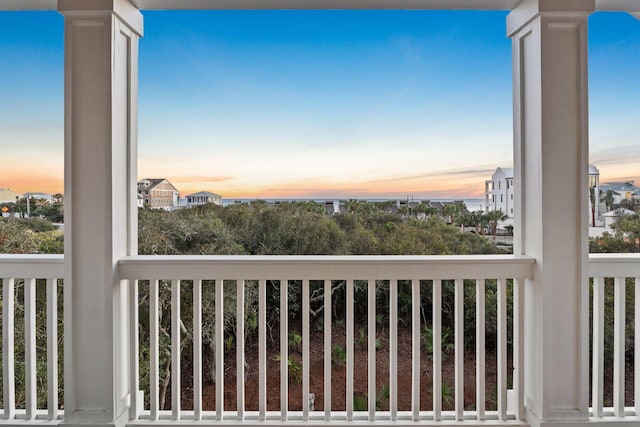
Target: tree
[607,198]
[426,209]
[38,206]
[405,211]
[628,228]
[633,204]
[20,206]
[494,217]
[450,212]
[474,219]
[592,198]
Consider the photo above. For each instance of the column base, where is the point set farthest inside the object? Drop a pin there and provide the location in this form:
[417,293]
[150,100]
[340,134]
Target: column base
[86,419]
[535,421]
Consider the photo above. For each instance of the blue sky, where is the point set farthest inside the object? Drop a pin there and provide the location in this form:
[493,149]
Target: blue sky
[314,104]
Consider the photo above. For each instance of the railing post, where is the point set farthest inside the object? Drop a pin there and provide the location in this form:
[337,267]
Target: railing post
[101,50]
[551,178]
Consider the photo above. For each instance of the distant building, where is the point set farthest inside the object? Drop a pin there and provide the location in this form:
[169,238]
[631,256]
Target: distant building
[499,190]
[158,193]
[202,198]
[38,196]
[620,191]
[8,196]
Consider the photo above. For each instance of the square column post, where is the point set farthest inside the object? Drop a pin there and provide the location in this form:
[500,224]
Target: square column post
[551,209]
[101,63]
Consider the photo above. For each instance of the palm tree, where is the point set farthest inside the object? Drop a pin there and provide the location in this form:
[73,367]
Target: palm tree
[451,211]
[494,217]
[483,223]
[631,204]
[424,208]
[476,220]
[607,198]
[592,198]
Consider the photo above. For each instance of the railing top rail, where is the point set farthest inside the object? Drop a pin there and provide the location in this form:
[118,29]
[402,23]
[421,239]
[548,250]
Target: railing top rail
[435,266]
[326,267]
[614,265]
[31,266]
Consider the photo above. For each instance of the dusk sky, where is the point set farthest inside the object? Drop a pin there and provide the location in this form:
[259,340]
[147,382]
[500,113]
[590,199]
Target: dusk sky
[314,104]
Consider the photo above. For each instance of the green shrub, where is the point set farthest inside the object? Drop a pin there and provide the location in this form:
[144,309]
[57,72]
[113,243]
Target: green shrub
[338,355]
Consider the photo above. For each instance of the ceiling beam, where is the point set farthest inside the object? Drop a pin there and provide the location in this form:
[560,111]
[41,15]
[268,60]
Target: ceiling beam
[632,6]
[618,5]
[28,4]
[328,4]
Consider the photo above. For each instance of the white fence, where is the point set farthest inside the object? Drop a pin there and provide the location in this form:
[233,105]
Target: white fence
[619,275]
[194,273]
[31,284]
[28,272]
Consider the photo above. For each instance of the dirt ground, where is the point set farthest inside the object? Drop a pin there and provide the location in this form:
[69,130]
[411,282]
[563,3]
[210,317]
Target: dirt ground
[338,374]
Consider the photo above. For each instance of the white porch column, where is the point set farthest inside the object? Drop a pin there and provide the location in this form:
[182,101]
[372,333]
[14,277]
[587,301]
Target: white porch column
[101,60]
[551,171]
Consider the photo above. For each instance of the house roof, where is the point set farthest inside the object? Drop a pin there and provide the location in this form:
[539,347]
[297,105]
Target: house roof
[204,194]
[620,187]
[153,182]
[508,172]
[34,195]
[619,212]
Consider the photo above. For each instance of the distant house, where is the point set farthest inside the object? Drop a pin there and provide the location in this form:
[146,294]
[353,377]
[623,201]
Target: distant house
[620,191]
[158,193]
[202,198]
[8,196]
[39,196]
[499,190]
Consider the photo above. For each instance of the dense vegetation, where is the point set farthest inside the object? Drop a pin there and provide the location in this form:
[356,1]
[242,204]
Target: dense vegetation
[303,228]
[296,229]
[29,236]
[625,237]
[34,207]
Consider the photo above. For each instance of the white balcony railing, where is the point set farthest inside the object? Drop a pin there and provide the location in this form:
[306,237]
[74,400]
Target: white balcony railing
[30,272]
[192,274]
[614,286]
[615,289]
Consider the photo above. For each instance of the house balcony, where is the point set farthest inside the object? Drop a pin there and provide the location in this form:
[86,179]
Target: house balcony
[550,359]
